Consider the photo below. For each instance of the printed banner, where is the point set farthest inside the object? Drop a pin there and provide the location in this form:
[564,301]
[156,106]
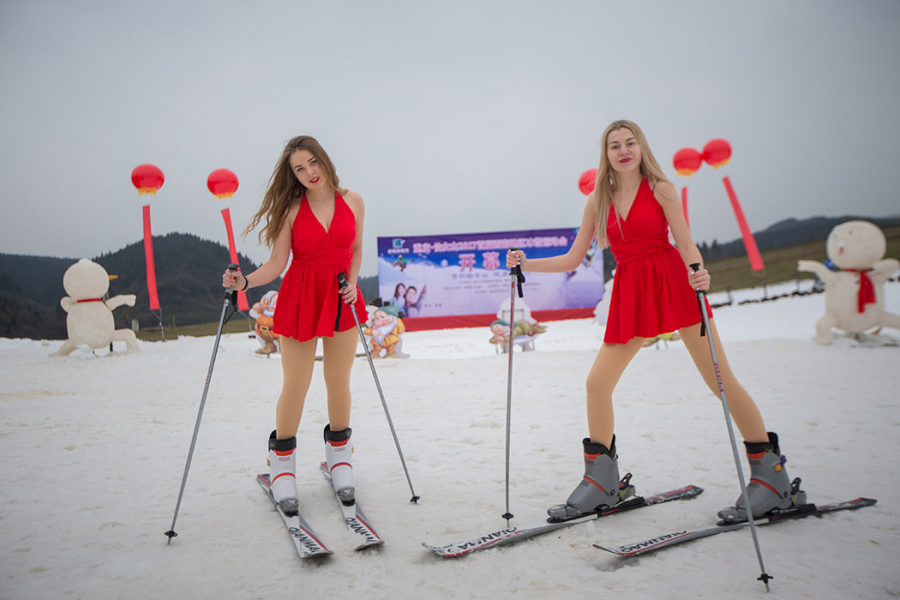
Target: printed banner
[445,278]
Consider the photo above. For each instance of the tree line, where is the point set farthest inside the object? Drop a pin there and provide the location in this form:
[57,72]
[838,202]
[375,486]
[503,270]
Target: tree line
[188,275]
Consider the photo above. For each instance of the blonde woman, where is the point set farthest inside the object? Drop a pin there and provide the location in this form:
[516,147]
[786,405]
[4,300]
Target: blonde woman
[632,209]
[309,218]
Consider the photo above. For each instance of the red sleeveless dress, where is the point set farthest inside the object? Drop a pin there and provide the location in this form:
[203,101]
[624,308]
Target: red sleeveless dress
[309,301]
[651,291]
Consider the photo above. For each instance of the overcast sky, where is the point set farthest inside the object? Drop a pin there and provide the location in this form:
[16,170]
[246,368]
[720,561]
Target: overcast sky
[448,117]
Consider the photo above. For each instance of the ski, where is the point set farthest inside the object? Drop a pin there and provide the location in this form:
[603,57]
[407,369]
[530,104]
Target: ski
[305,539]
[677,537]
[513,534]
[356,521]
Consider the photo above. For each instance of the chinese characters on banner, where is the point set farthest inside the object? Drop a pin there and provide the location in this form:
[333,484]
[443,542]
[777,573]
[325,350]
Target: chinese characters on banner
[441,281]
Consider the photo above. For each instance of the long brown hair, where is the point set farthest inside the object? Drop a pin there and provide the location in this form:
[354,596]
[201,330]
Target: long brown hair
[284,189]
[607,180]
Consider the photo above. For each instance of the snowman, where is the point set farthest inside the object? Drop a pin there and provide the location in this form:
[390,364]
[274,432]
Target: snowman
[90,321]
[854,295]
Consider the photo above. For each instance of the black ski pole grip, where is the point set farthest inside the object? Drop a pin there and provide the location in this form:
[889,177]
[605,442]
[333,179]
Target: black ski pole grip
[516,272]
[232,292]
[343,283]
[700,297]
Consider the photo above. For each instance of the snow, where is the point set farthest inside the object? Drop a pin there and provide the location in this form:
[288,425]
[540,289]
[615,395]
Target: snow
[93,450]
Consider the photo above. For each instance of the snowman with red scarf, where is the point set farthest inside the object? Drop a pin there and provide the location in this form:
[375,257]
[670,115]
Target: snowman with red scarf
[854,294]
[90,321]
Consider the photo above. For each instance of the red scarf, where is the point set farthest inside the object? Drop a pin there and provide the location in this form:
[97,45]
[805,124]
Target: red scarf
[866,290]
[101,300]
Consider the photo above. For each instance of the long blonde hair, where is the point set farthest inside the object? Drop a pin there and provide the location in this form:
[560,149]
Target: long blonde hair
[284,189]
[607,180]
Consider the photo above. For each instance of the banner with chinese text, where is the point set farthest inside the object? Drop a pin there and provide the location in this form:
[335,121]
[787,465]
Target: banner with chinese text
[440,281]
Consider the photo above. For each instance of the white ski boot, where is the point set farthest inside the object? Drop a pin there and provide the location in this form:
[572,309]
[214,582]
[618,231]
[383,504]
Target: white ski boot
[600,486]
[769,488]
[338,459]
[282,470]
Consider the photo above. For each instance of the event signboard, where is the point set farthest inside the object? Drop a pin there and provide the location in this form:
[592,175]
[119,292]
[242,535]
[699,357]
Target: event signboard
[440,281]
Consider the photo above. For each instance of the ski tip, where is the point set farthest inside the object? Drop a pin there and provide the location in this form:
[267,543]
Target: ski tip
[367,545]
[443,551]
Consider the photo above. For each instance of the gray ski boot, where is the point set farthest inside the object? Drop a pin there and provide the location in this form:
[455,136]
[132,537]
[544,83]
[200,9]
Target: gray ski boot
[770,487]
[282,469]
[600,486]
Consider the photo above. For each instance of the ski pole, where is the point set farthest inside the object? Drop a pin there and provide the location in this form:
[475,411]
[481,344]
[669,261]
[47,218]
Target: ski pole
[342,280]
[701,295]
[229,300]
[516,280]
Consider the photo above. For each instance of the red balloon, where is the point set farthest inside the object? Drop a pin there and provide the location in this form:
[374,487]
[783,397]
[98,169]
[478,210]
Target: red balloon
[147,179]
[222,183]
[687,161]
[717,152]
[587,181]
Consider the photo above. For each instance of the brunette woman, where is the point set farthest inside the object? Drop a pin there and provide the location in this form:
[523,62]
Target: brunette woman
[309,218]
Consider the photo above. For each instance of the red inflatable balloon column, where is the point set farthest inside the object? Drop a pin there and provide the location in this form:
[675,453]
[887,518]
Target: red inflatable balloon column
[147,179]
[587,181]
[717,152]
[222,183]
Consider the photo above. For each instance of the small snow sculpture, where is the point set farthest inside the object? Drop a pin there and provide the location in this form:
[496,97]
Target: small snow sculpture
[854,295]
[90,320]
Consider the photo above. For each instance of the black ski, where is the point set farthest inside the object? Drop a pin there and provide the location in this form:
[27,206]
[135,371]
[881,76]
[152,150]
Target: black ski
[677,537]
[356,521]
[305,539]
[513,534]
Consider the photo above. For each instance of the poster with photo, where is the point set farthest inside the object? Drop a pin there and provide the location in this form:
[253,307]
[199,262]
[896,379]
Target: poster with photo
[460,280]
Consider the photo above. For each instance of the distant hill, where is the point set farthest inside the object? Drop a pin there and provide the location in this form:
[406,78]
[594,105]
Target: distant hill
[188,275]
[188,280]
[789,232]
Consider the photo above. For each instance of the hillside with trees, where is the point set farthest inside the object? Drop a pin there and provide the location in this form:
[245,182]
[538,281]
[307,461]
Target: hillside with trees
[188,275]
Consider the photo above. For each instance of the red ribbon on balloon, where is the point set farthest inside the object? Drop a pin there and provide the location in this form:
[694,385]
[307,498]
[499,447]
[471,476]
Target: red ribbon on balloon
[148,257]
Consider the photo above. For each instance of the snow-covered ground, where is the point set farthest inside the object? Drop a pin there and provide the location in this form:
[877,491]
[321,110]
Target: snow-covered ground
[93,449]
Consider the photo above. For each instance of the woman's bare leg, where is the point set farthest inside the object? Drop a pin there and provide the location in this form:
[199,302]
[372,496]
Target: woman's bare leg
[611,361]
[743,409]
[339,353]
[297,360]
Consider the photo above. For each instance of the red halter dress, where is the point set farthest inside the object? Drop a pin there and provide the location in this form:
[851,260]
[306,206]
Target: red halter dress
[651,291]
[309,301]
